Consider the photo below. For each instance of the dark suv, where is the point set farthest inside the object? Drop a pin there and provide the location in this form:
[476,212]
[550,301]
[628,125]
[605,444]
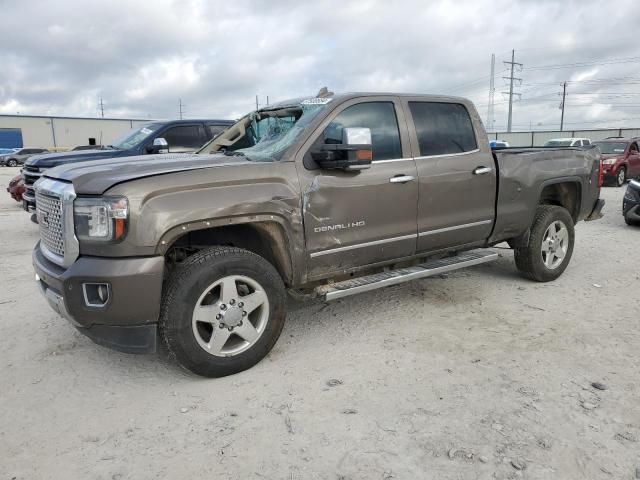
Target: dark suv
[173,136]
[19,157]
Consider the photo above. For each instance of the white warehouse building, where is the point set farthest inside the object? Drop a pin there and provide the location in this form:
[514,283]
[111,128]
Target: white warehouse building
[61,133]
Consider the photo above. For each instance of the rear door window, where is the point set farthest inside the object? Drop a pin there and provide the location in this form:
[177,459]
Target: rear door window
[184,137]
[442,128]
[215,130]
[380,118]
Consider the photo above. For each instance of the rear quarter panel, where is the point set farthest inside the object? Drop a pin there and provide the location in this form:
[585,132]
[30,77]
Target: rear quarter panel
[523,175]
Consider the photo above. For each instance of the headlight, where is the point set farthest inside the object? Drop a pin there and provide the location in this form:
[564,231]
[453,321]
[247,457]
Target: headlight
[100,219]
[609,161]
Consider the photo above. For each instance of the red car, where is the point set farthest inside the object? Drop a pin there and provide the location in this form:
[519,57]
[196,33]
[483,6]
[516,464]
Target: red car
[620,159]
[16,188]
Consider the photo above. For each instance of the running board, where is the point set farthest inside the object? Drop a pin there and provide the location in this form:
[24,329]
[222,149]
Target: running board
[345,288]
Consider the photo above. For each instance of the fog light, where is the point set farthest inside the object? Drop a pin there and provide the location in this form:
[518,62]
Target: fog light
[96,294]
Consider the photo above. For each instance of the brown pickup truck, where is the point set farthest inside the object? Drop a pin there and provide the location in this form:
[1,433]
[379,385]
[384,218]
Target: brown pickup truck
[326,196]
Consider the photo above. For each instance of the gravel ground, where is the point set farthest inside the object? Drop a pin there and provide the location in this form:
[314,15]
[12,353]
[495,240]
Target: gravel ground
[474,375]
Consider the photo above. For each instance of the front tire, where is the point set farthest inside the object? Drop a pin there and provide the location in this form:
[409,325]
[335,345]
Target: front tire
[223,311]
[12,162]
[550,246]
[621,176]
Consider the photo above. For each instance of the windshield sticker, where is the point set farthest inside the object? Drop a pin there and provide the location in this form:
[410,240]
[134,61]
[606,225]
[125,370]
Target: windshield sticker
[146,131]
[618,149]
[315,101]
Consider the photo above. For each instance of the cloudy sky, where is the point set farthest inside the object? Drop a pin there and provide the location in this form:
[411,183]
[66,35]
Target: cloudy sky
[59,57]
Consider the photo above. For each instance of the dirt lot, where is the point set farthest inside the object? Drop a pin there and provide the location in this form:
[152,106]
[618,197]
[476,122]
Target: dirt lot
[474,375]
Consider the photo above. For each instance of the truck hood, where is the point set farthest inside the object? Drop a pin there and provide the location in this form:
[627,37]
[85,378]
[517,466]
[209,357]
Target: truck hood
[50,160]
[96,177]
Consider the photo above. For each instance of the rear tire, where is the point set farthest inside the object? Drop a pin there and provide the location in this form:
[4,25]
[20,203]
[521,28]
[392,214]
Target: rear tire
[621,176]
[223,310]
[12,162]
[550,246]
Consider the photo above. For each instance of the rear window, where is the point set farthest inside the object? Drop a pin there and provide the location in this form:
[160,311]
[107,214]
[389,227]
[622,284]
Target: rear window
[442,128]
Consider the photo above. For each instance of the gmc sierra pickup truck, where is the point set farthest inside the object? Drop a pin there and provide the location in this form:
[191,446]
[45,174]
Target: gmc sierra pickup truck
[327,196]
[169,136]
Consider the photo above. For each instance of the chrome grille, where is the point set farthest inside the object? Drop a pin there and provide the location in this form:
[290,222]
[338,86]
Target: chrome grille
[50,220]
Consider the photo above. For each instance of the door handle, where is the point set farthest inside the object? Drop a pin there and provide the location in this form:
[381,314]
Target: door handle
[482,170]
[402,179]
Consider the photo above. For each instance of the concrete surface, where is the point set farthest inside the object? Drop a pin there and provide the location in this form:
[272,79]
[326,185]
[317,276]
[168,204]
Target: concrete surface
[477,375]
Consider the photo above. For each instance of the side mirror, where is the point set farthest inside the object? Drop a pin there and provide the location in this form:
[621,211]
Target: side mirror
[353,154]
[160,145]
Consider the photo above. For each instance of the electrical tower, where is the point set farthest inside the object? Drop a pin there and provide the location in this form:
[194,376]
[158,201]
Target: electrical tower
[180,108]
[511,78]
[492,91]
[564,95]
[101,105]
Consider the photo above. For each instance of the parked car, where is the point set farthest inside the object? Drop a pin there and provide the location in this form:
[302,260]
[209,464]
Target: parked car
[16,188]
[568,142]
[328,196]
[173,136]
[7,151]
[631,203]
[19,157]
[620,159]
[498,144]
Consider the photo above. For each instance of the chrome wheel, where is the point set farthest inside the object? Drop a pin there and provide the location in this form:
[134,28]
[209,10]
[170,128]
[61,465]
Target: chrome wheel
[555,244]
[230,316]
[622,176]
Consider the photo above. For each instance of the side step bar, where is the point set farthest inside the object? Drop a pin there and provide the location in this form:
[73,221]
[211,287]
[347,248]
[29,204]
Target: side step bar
[345,288]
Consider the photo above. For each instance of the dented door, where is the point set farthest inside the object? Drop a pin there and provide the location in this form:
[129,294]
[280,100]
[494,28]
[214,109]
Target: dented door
[352,219]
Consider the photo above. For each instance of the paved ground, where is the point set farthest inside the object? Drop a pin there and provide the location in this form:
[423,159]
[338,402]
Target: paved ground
[478,375]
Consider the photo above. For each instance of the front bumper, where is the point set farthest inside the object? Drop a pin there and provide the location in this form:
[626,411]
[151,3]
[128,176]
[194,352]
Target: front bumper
[128,320]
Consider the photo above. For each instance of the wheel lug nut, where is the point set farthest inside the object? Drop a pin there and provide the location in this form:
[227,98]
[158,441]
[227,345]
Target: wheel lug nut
[223,307]
[240,324]
[218,317]
[232,302]
[244,314]
[221,325]
[230,329]
[241,304]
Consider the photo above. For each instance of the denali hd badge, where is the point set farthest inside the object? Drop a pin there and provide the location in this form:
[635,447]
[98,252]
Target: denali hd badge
[339,226]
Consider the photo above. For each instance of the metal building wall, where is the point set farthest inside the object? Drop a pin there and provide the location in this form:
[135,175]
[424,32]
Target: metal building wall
[67,132]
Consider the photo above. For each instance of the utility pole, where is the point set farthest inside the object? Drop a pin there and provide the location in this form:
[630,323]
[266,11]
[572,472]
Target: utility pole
[256,102]
[511,78]
[492,90]
[101,104]
[267,100]
[564,94]
[180,106]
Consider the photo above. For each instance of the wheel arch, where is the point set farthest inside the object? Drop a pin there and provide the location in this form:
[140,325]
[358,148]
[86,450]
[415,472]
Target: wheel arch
[563,192]
[264,237]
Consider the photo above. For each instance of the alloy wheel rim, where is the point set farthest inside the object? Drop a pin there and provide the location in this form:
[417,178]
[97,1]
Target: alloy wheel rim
[621,176]
[555,244]
[230,316]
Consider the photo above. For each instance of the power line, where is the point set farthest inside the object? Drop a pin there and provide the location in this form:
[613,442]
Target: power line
[586,63]
[564,96]
[511,78]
